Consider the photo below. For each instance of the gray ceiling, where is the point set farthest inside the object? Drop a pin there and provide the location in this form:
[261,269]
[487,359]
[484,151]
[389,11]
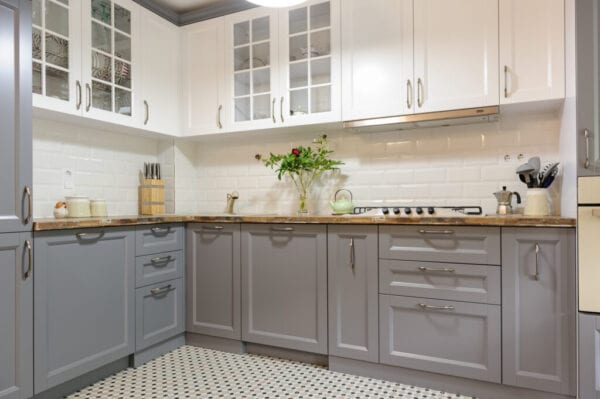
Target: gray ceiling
[184,12]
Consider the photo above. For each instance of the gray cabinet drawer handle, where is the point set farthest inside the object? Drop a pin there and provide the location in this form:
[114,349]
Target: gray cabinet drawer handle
[159,230]
[352,254]
[433,307]
[88,236]
[442,270]
[161,290]
[163,260]
[282,229]
[27,192]
[537,262]
[216,227]
[440,232]
[27,271]
[586,162]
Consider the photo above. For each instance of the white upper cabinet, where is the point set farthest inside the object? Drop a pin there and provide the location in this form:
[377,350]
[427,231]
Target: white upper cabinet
[251,69]
[456,54]
[532,55]
[204,78]
[56,35]
[159,96]
[309,61]
[111,66]
[377,58]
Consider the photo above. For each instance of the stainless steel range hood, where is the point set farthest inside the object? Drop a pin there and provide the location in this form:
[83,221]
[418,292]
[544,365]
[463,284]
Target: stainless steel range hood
[443,118]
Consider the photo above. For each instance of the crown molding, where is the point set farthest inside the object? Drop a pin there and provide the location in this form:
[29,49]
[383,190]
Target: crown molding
[208,12]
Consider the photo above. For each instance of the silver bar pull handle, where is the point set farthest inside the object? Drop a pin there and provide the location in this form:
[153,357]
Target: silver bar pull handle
[287,229]
[442,270]
[420,93]
[537,262]
[409,94]
[505,81]
[78,94]
[88,102]
[27,193]
[159,230]
[161,290]
[438,232]
[434,307]
[215,227]
[27,271]
[90,236]
[273,111]
[219,109]
[147,110]
[352,254]
[586,162]
[161,259]
[281,109]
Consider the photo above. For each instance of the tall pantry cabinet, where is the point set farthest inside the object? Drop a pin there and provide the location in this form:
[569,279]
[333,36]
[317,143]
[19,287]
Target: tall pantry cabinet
[16,268]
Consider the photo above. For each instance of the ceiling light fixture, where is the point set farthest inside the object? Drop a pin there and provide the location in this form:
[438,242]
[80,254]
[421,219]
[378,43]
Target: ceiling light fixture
[276,3]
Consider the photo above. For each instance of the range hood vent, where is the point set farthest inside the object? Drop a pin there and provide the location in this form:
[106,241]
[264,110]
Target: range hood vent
[431,119]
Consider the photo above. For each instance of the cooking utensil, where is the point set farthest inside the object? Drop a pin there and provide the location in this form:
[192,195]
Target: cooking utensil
[158,175]
[527,171]
[549,175]
[535,164]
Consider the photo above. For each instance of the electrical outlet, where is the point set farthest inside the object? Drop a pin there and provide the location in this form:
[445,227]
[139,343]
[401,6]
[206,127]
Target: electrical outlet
[68,182]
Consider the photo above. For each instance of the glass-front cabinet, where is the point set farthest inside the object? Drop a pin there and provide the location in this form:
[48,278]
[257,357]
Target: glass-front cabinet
[110,59]
[56,55]
[310,63]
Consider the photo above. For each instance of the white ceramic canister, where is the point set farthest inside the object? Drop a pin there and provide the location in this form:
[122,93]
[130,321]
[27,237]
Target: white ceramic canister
[537,202]
[98,207]
[78,207]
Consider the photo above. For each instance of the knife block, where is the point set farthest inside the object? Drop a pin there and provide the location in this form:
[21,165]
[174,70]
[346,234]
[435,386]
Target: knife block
[152,197]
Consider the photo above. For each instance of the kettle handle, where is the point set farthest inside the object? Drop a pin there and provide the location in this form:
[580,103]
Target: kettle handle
[518,197]
[342,189]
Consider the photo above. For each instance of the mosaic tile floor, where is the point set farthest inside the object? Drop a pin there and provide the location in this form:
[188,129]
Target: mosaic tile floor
[191,372]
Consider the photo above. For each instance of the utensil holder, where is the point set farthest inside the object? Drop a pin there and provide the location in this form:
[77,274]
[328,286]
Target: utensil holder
[537,202]
[152,197]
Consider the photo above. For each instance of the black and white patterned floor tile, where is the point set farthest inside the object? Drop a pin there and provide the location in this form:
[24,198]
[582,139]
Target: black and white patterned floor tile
[191,372]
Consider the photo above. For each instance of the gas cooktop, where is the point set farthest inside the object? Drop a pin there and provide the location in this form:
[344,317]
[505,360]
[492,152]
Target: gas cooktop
[419,211]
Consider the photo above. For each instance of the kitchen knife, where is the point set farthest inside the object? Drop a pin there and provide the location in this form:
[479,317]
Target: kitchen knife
[158,171]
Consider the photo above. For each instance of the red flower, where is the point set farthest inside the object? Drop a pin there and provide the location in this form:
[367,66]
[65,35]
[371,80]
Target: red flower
[296,152]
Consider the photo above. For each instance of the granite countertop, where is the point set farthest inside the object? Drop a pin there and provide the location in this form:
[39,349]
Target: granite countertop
[134,220]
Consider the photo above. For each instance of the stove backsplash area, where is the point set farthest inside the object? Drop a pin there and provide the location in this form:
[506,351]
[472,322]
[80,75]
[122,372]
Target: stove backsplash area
[457,165]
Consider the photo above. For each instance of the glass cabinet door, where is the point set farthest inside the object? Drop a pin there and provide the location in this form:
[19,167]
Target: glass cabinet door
[110,58]
[251,40]
[55,48]
[311,51]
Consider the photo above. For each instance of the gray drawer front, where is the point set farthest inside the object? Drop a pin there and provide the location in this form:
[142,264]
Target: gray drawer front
[450,281]
[464,341]
[478,245]
[158,316]
[152,269]
[158,238]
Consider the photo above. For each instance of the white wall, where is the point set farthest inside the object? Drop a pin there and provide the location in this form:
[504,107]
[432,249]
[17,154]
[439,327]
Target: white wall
[438,166]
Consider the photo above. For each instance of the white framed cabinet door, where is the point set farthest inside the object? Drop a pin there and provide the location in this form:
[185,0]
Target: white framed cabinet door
[204,78]
[251,69]
[111,60]
[56,51]
[377,80]
[159,99]
[309,60]
[456,54]
[532,50]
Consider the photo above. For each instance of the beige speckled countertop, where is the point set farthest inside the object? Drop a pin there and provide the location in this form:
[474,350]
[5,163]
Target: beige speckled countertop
[507,221]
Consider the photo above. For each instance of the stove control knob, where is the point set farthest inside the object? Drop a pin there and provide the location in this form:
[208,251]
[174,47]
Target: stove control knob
[385,211]
[430,210]
[396,211]
[419,210]
[408,211]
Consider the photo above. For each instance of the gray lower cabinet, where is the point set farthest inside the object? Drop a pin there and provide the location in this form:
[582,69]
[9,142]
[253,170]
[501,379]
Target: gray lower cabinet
[538,309]
[15,116]
[213,280]
[589,356]
[159,313]
[353,293]
[84,302]
[16,316]
[454,338]
[284,286]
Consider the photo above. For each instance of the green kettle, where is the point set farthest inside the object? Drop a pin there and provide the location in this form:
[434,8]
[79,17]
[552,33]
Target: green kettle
[342,205]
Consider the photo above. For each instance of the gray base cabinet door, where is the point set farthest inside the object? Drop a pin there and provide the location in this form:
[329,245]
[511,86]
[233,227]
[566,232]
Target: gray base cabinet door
[15,116]
[353,293]
[84,302]
[16,317]
[159,313]
[213,271]
[454,338]
[538,309]
[589,356]
[284,286]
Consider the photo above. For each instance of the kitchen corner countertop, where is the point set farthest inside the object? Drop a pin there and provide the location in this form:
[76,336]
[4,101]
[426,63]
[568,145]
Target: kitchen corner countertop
[500,221]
